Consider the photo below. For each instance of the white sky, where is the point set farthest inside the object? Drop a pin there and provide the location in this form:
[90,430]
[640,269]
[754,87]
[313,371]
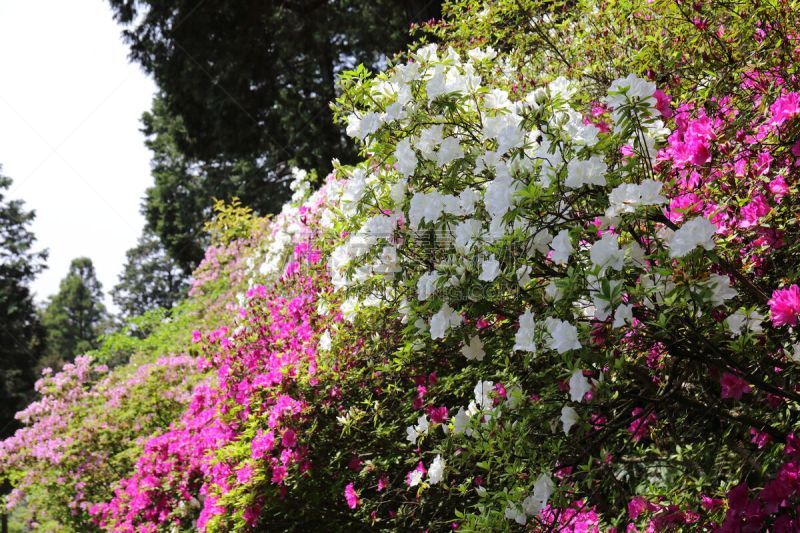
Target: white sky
[70,104]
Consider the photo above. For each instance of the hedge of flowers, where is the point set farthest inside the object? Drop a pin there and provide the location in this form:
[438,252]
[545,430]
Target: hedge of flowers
[555,296]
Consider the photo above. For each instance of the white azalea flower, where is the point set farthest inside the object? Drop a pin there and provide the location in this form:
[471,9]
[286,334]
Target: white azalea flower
[509,138]
[443,320]
[542,240]
[348,309]
[466,202]
[523,275]
[562,247]
[426,285]
[398,192]
[461,422]
[476,54]
[449,151]
[427,54]
[561,87]
[552,291]
[623,315]
[436,471]
[563,335]
[429,139]
[406,157]
[795,355]
[467,233]
[514,513]
[578,132]
[415,478]
[490,269]
[437,84]
[696,232]
[497,99]
[631,88]
[416,431]
[591,171]
[602,307]
[499,195]
[425,207]
[482,392]
[569,417]
[750,321]
[524,338]
[721,289]
[578,386]
[325,342]
[542,490]
[627,197]
[474,350]
[607,253]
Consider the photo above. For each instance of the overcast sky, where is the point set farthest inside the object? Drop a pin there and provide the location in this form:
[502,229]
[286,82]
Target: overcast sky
[70,104]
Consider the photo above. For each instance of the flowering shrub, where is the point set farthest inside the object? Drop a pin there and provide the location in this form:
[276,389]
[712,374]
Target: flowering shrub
[557,294]
[83,430]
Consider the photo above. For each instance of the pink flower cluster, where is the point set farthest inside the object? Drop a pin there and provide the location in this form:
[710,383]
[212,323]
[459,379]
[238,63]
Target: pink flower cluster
[730,175]
[83,395]
[251,373]
[784,306]
[256,366]
[772,508]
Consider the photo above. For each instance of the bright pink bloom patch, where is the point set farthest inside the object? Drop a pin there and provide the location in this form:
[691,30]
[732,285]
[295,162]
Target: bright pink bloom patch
[639,505]
[351,496]
[785,108]
[784,306]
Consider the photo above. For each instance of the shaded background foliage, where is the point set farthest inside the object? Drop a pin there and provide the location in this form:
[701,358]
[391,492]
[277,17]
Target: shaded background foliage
[74,316]
[21,332]
[150,279]
[244,94]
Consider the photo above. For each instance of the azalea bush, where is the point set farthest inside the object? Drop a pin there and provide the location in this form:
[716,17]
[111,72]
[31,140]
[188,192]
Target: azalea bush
[560,293]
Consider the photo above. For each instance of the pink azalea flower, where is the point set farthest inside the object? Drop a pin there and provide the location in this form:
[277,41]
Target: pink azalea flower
[753,211]
[662,103]
[778,187]
[262,443]
[639,505]
[351,496]
[733,386]
[289,438]
[640,427]
[354,463]
[784,306]
[438,414]
[785,108]
[758,438]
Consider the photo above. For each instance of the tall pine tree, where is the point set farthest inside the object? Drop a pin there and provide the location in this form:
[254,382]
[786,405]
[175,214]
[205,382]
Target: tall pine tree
[244,93]
[74,316]
[150,279]
[21,333]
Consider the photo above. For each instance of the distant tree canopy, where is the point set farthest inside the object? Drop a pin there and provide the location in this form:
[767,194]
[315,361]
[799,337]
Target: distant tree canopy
[151,279]
[21,333]
[74,316]
[244,93]
[180,201]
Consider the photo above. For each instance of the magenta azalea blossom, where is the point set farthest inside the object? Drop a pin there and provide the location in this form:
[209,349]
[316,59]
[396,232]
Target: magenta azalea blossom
[351,496]
[784,306]
[733,386]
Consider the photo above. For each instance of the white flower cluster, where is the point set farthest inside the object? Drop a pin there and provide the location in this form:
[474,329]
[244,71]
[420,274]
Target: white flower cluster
[478,171]
[534,503]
